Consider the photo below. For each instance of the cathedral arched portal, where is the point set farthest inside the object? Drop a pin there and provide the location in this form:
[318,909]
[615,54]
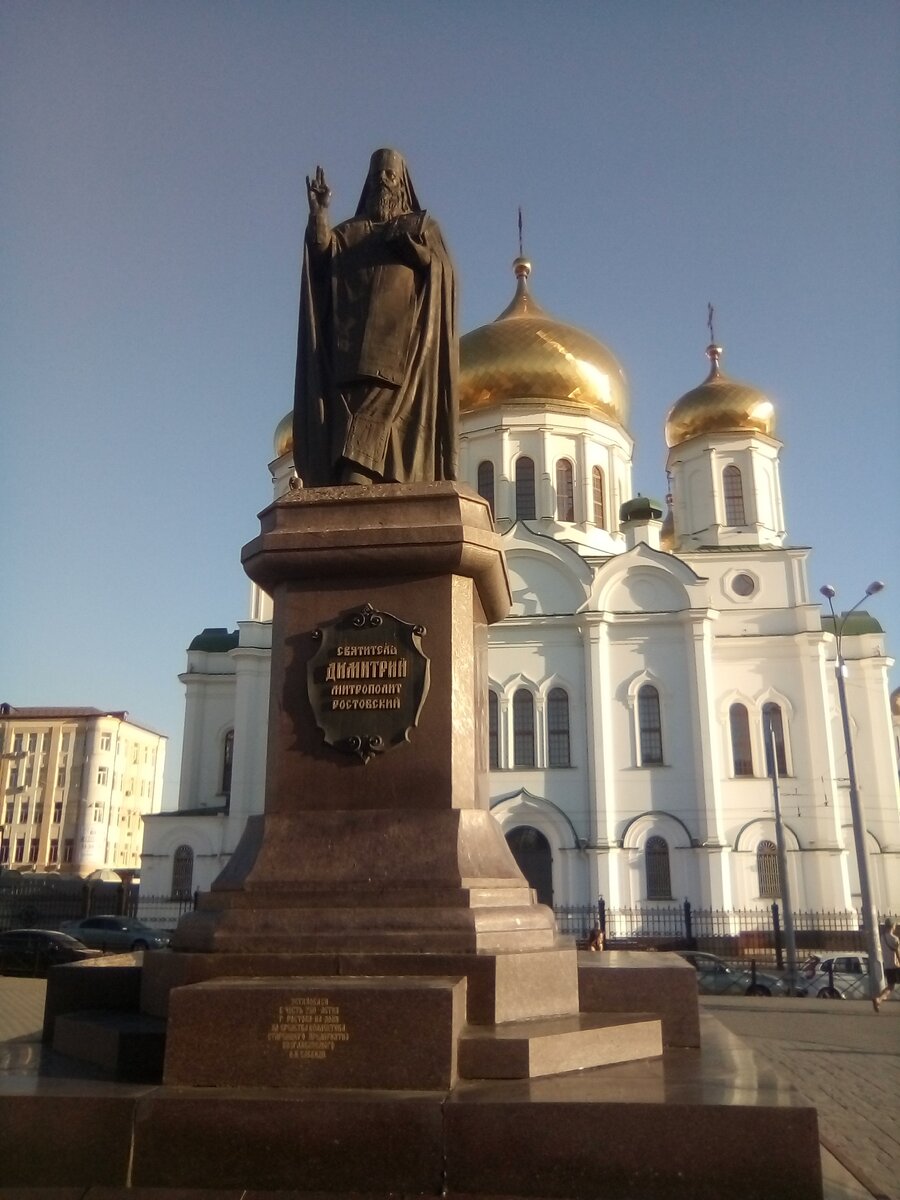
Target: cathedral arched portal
[532,852]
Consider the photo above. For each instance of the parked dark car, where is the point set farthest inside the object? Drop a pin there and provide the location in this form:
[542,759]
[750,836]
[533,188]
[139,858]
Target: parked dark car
[117,933]
[32,951]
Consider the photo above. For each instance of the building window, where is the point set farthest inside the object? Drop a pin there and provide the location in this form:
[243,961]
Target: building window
[649,725]
[493,731]
[599,506]
[227,759]
[14,777]
[523,728]
[24,809]
[741,754]
[57,811]
[733,491]
[486,482]
[532,853]
[53,852]
[767,870]
[10,814]
[773,727]
[68,849]
[656,859]
[4,851]
[99,812]
[106,741]
[33,847]
[525,505]
[182,873]
[19,853]
[565,491]
[103,776]
[61,775]
[558,754]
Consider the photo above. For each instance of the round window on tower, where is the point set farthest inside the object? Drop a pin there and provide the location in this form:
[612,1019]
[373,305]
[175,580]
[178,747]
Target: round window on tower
[743,584]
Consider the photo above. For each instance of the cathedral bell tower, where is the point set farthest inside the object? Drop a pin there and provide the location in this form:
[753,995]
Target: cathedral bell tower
[724,465]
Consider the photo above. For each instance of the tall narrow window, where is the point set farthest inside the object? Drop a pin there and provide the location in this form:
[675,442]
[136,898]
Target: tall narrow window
[493,731]
[227,757]
[650,725]
[773,729]
[733,491]
[741,755]
[565,491]
[182,873]
[767,870]
[523,728]
[656,860]
[558,754]
[486,482]
[599,506]
[525,506]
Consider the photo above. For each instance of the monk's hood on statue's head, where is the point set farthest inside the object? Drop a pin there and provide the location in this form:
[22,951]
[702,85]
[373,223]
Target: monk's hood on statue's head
[395,160]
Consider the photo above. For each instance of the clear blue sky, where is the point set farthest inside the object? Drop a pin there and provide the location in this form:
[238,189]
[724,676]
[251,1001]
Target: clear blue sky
[665,154]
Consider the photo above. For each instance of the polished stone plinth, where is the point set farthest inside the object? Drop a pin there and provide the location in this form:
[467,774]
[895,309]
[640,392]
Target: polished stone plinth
[627,981]
[314,1032]
[500,987]
[692,1125]
[391,851]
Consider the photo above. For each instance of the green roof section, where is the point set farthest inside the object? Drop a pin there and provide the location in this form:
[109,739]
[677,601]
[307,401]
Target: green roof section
[855,625]
[215,641]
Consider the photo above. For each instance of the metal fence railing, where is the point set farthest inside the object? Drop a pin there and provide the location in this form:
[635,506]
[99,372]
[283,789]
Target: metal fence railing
[732,933]
[47,904]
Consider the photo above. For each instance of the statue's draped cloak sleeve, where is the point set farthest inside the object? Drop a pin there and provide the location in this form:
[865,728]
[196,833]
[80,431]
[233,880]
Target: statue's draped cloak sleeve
[418,438]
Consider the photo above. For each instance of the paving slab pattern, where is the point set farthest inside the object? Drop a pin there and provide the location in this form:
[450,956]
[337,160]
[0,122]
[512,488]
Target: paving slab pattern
[843,1058]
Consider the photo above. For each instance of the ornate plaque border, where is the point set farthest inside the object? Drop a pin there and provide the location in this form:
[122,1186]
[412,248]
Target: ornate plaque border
[367,681]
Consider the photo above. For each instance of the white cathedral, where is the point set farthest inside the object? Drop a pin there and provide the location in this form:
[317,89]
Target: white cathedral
[644,659]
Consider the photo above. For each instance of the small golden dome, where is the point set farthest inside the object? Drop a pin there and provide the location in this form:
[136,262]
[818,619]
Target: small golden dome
[719,405]
[527,357]
[284,435]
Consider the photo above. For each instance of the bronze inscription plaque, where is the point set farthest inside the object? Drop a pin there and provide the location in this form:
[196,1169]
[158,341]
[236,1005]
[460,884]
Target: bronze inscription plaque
[367,681]
[308,1027]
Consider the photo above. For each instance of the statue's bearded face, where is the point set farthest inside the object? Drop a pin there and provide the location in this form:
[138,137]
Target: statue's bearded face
[385,194]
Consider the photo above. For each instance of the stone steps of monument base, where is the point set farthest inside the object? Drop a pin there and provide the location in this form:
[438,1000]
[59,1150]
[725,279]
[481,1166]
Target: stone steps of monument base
[129,1045]
[554,1045]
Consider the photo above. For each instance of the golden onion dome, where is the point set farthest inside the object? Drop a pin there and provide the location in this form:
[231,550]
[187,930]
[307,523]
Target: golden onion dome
[719,405]
[284,435]
[527,357]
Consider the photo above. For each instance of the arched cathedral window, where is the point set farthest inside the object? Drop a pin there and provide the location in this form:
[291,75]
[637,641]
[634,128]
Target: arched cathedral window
[486,482]
[493,731]
[599,506]
[767,870]
[741,753]
[525,503]
[182,873]
[649,725]
[773,731]
[558,750]
[733,493]
[227,757]
[565,491]
[523,728]
[656,861]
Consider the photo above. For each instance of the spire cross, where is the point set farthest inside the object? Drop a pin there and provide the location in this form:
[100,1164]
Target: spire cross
[521,252]
[709,322]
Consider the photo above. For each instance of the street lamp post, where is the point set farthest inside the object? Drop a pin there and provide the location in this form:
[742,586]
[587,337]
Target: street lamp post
[869,915]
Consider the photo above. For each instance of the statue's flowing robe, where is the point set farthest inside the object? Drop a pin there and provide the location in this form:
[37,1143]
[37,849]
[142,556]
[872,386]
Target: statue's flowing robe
[377,353]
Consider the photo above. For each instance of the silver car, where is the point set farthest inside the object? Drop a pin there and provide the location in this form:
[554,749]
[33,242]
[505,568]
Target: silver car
[715,977]
[117,933]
